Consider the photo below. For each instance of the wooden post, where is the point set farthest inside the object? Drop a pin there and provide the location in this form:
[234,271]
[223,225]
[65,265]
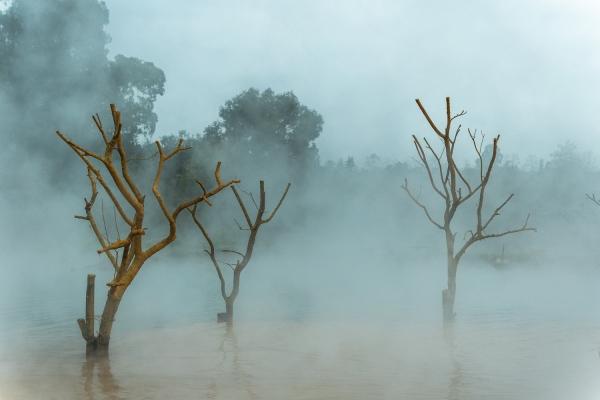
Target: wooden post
[89,305]
[87,325]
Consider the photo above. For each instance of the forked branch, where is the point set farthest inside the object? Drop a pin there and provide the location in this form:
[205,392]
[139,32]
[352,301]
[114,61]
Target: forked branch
[89,216]
[171,216]
[421,205]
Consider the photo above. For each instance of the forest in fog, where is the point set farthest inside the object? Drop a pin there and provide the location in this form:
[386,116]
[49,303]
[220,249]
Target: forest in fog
[166,220]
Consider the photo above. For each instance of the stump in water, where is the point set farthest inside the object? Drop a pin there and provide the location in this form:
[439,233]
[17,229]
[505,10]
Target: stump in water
[87,325]
[222,317]
[226,316]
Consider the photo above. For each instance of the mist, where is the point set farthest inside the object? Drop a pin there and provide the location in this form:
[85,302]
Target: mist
[374,58]
[342,294]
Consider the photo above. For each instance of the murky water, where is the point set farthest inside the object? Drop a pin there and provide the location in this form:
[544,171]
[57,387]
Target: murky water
[318,361]
[509,342]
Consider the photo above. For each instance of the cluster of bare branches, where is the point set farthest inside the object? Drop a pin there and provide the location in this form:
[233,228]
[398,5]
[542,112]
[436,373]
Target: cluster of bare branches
[592,197]
[252,226]
[450,183]
[127,255]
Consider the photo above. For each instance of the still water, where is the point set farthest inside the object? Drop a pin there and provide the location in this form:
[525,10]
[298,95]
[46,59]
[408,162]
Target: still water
[518,335]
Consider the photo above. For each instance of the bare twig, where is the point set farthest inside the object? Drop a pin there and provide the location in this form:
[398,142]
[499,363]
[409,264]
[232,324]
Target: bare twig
[593,198]
[417,202]
[249,194]
[234,252]
[285,192]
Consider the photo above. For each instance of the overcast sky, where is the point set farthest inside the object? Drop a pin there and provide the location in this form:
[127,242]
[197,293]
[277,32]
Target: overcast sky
[529,70]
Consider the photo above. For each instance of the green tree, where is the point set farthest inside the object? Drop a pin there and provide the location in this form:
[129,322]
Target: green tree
[54,68]
[263,128]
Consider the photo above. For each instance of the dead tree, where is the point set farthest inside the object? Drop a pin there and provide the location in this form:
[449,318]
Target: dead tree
[126,254]
[252,226]
[592,197]
[454,189]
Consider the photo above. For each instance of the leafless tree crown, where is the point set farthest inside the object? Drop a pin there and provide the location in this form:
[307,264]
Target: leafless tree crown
[450,183]
[251,225]
[128,200]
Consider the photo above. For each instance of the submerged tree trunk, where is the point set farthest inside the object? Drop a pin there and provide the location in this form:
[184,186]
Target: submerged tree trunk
[227,316]
[99,344]
[449,294]
[229,311]
[113,299]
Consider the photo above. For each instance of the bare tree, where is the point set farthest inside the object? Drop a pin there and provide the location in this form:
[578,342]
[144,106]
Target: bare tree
[592,197]
[454,189]
[252,226]
[126,254]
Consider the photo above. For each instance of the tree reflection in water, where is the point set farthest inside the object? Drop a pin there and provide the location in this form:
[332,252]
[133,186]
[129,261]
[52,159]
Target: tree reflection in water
[96,373]
[455,375]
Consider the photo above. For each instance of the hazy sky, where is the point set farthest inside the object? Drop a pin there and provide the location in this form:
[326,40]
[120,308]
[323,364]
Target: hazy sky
[526,69]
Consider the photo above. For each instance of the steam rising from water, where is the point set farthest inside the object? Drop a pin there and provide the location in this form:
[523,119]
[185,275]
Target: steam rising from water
[342,299]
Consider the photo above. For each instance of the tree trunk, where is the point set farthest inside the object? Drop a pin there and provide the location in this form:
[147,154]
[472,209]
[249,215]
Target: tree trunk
[227,316]
[113,299]
[229,311]
[449,294]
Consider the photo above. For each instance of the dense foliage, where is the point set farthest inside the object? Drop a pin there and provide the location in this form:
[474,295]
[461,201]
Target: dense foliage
[55,72]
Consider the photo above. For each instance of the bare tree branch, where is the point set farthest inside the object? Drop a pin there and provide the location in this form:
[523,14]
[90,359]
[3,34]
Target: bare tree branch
[285,192]
[211,253]
[497,211]
[423,158]
[417,202]
[428,118]
[242,206]
[172,216]
[241,228]
[234,252]
[593,198]
[251,196]
[92,221]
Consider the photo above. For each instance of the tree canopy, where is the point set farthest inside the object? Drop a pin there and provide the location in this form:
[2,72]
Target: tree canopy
[55,69]
[263,126]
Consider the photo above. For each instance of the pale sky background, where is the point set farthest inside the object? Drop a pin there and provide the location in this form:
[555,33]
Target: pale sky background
[529,70]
